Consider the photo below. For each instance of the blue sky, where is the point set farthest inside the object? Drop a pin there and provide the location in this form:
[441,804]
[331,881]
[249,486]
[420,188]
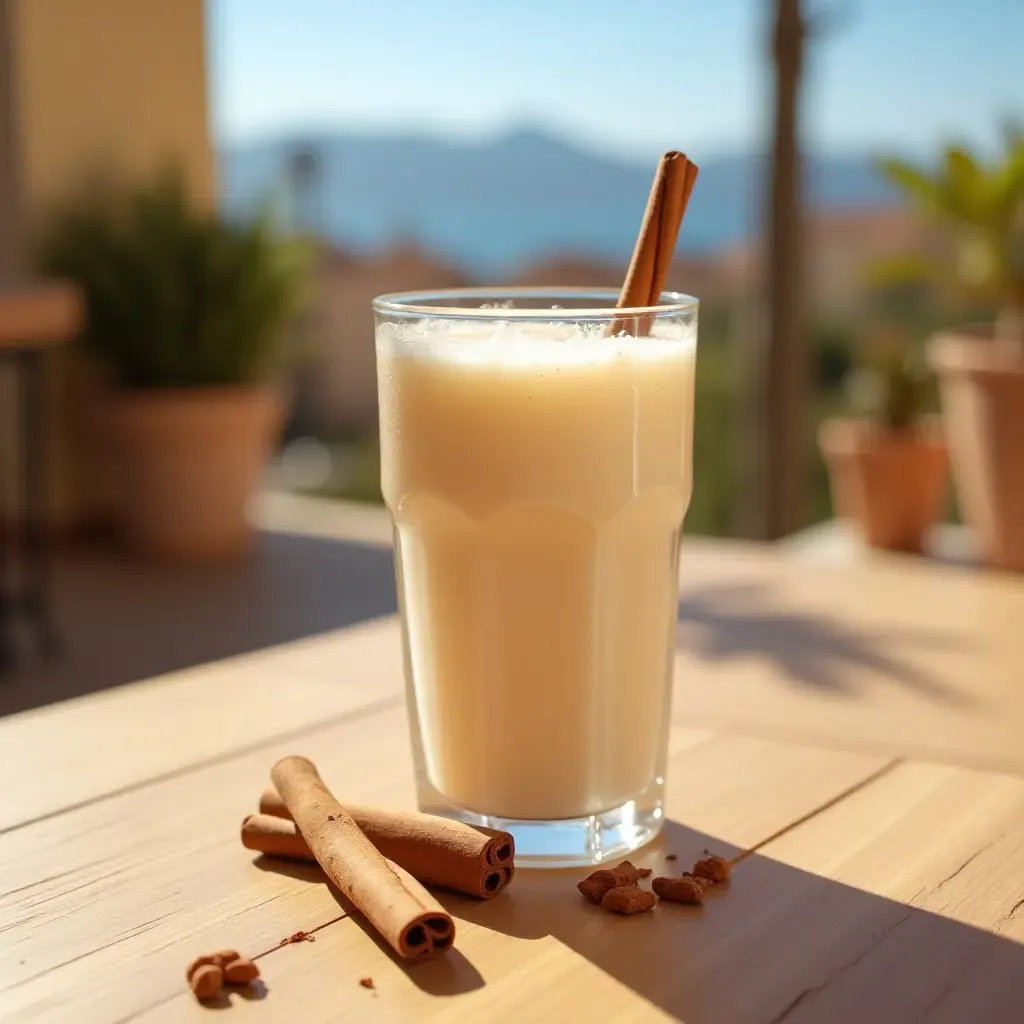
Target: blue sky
[630,77]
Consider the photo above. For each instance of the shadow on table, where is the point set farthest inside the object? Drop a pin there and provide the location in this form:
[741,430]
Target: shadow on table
[740,621]
[251,993]
[780,945]
[121,620]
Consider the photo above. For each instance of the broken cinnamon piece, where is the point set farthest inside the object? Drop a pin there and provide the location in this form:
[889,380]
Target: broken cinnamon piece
[597,883]
[704,883]
[209,973]
[241,972]
[206,982]
[207,960]
[628,899]
[298,937]
[679,890]
[671,856]
[367,982]
[714,868]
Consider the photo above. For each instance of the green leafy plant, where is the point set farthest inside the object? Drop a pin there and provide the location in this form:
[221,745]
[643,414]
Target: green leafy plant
[176,296]
[900,288]
[889,384]
[985,204]
[890,387]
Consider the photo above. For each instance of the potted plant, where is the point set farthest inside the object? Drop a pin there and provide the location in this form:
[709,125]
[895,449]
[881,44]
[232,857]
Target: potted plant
[186,313]
[887,468]
[981,367]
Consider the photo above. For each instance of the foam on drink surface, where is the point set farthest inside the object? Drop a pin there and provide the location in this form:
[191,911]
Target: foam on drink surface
[538,475]
[511,345]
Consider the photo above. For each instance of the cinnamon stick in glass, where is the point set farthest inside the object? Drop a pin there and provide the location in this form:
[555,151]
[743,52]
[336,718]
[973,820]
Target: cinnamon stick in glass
[406,915]
[434,850]
[656,243]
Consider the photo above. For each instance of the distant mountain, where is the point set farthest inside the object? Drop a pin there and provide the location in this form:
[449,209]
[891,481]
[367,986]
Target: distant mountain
[495,206]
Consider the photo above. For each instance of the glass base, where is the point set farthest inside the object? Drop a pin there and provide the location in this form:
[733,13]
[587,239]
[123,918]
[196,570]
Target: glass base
[564,843]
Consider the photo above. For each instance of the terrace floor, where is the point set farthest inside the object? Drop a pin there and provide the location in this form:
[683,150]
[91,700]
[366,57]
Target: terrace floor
[317,567]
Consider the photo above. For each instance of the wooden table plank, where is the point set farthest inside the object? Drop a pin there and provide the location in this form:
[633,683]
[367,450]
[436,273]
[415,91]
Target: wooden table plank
[901,902]
[83,749]
[898,656]
[941,937]
[111,900]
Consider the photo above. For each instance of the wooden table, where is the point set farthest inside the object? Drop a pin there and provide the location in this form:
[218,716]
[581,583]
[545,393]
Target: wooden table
[815,723]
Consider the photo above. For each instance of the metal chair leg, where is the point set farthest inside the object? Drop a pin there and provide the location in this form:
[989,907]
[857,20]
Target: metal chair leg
[37,585]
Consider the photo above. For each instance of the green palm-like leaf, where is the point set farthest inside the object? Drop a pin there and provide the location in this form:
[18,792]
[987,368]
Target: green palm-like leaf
[964,185]
[986,206]
[1009,184]
[915,183]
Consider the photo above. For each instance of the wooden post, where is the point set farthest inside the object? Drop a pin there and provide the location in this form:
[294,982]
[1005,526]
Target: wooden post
[11,255]
[782,430]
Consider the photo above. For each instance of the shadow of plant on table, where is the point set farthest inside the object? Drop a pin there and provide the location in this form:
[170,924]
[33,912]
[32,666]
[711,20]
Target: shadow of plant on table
[776,943]
[737,621]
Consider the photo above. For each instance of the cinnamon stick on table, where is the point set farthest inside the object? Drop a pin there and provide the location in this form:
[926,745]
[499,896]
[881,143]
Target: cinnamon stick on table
[275,837]
[278,837]
[434,850]
[656,243]
[405,914]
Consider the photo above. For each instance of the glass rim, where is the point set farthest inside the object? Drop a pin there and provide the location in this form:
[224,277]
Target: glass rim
[423,304]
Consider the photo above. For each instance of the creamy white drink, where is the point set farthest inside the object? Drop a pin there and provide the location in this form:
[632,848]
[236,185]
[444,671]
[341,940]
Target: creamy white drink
[538,476]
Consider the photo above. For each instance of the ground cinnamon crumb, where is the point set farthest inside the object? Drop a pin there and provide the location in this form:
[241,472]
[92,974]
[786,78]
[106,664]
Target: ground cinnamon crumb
[597,883]
[367,983]
[679,890]
[298,937]
[704,883]
[628,899]
[208,974]
[715,868]
[241,971]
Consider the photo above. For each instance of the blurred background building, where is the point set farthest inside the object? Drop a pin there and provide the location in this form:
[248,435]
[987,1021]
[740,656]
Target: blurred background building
[463,144]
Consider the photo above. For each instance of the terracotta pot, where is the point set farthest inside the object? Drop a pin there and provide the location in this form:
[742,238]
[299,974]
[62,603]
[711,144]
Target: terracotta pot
[982,388]
[185,463]
[892,483]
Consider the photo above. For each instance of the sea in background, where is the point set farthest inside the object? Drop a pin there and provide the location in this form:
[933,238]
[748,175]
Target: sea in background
[494,207]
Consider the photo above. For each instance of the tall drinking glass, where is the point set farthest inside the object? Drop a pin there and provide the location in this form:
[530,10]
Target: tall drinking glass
[536,460]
